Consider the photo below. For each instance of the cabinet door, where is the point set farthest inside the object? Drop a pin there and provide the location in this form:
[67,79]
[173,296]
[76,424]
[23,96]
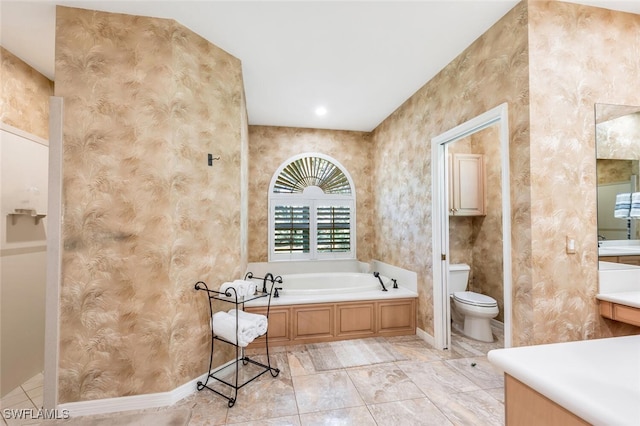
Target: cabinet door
[629,260]
[396,317]
[467,185]
[279,329]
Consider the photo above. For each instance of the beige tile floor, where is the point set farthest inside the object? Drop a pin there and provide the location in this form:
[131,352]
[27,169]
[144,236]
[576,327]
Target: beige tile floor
[26,396]
[431,387]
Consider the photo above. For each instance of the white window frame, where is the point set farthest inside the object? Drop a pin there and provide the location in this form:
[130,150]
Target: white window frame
[312,197]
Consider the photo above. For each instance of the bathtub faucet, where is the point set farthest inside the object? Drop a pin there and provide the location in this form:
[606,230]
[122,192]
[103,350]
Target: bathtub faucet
[268,276]
[377,275]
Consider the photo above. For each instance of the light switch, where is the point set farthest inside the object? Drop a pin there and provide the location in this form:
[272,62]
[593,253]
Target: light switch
[571,245]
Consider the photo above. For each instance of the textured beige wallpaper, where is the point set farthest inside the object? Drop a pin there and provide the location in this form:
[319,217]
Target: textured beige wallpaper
[24,102]
[618,138]
[144,216]
[269,147]
[493,70]
[580,56]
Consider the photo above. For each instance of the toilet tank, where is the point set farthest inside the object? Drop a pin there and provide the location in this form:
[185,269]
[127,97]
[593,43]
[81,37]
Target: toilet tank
[458,277]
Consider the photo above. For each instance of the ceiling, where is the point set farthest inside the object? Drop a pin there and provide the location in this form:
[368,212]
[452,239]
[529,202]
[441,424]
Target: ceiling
[359,59]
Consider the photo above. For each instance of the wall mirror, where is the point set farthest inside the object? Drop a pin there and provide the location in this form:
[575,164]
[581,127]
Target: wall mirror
[618,170]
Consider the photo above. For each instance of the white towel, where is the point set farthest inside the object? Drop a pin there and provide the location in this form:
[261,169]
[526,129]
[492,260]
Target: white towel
[635,205]
[224,325]
[249,286]
[243,288]
[260,321]
[622,208]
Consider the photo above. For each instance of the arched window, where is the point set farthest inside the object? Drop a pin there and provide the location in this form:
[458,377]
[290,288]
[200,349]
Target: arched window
[311,210]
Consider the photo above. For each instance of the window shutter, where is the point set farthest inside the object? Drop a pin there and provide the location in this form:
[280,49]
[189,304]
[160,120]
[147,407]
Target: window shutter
[291,229]
[334,229]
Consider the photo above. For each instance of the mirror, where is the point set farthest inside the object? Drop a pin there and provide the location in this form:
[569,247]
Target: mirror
[618,171]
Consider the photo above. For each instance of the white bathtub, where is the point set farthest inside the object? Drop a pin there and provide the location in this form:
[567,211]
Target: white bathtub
[329,283]
[323,287]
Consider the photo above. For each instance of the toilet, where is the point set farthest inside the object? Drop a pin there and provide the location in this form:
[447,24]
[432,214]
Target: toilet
[476,309]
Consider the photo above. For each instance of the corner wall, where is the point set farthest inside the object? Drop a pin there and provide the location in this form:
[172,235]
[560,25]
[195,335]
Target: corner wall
[145,218]
[580,56]
[272,146]
[492,70]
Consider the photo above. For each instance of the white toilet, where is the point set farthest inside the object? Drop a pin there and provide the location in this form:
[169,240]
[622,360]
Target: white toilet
[477,309]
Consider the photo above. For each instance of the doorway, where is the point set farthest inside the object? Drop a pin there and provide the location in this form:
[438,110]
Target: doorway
[444,210]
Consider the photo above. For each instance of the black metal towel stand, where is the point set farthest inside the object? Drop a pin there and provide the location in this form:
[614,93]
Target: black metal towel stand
[231,296]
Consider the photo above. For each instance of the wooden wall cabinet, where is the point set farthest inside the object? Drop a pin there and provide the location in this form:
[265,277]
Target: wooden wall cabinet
[466,185]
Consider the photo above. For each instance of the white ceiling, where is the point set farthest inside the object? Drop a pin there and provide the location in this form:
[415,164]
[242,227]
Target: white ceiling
[359,59]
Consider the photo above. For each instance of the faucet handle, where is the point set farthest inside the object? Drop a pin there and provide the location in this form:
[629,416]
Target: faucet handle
[275,292]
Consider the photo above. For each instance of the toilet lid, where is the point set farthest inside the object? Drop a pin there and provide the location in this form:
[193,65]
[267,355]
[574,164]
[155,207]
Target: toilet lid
[476,299]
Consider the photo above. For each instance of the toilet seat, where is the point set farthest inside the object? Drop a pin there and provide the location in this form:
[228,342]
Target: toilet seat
[475,299]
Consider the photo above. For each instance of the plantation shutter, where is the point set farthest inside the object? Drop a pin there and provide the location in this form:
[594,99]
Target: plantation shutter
[333,229]
[292,229]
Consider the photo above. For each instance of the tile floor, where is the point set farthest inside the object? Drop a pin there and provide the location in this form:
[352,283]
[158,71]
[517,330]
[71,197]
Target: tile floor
[26,396]
[430,387]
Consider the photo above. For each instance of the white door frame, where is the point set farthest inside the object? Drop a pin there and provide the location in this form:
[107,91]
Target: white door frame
[54,255]
[440,216]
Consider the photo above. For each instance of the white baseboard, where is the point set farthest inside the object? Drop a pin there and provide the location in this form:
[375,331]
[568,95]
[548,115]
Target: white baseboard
[425,336]
[135,402]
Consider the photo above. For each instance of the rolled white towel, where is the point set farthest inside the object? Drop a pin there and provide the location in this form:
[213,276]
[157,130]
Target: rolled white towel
[224,325]
[249,286]
[260,321]
[240,290]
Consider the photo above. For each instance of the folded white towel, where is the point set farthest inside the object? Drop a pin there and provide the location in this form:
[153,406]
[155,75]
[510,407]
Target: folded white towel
[622,208]
[224,325]
[635,205]
[260,321]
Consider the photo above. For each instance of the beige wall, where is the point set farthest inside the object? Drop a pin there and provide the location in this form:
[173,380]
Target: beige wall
[579,56]
[272,146]
[493,70]
[145,101]
[24,105]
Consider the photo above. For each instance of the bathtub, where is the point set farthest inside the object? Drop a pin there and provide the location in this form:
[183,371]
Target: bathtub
[323,287]
[327,306]
[329,283]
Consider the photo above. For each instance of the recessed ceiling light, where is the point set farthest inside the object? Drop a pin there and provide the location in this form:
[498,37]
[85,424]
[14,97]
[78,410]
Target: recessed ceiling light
[321,111]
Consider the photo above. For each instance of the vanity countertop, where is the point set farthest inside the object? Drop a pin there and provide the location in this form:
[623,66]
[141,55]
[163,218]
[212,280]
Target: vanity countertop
[619,251]
[597,380]
[627,298]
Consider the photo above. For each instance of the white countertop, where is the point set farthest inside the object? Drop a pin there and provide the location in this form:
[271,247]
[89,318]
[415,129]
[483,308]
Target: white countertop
[619,251]
[627,298]
[619,248]
[597,380]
